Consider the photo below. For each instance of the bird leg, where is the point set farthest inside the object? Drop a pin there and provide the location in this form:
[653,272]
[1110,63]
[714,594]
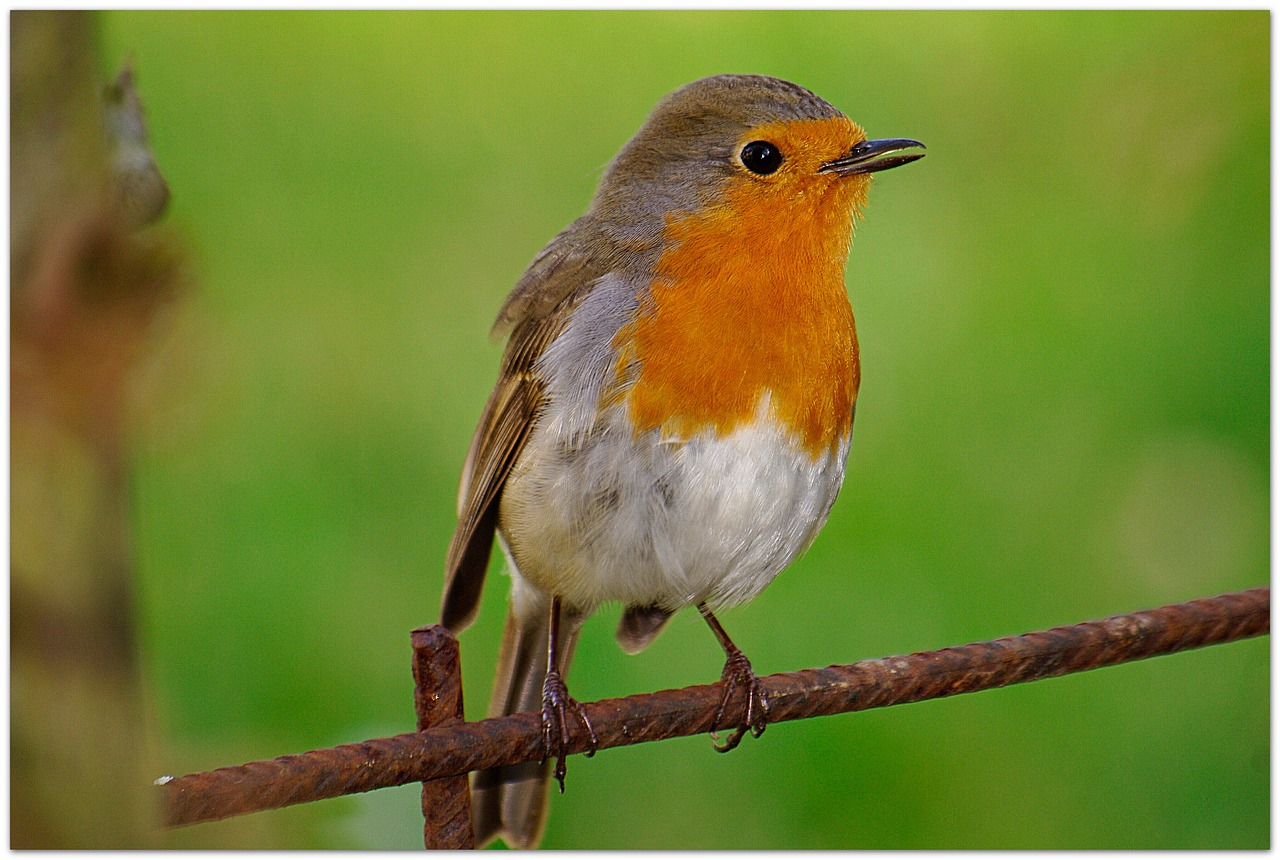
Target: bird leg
[737,673]
[556,703]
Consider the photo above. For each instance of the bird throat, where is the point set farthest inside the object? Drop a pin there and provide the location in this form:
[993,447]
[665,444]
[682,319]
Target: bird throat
[749,300]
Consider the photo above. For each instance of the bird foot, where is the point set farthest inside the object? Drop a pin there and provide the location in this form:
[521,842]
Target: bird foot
[556,705]
[737,675]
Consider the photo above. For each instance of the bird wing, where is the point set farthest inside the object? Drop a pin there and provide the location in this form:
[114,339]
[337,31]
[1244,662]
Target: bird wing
[535,313]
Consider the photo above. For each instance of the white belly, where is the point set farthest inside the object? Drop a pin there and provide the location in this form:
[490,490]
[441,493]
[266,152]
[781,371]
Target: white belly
[608,515]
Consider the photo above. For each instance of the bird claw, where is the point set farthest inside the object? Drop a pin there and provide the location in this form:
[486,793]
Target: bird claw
[556,703]
[738,674]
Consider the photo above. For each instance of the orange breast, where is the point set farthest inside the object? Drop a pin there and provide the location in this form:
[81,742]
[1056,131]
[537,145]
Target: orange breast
[750,298]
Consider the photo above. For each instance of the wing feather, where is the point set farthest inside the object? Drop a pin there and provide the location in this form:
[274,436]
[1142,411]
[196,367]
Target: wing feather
[536,312]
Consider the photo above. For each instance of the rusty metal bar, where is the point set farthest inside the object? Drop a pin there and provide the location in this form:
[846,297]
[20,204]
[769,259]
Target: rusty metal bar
[437,696]
[456,749]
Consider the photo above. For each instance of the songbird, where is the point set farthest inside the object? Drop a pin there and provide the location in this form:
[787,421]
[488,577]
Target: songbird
[673,412]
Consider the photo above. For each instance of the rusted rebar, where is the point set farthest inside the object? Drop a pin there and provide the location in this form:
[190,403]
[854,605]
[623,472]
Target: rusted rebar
[456,749]
[437,697]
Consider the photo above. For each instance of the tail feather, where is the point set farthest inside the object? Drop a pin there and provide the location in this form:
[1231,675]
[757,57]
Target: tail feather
[511,801]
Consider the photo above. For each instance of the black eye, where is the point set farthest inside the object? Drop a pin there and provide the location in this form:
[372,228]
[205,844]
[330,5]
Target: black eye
[761,157]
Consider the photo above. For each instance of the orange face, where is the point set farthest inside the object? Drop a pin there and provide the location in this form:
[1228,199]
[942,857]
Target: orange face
[749,297]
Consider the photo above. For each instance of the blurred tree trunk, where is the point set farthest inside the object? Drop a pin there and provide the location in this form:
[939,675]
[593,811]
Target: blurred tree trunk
[84,289]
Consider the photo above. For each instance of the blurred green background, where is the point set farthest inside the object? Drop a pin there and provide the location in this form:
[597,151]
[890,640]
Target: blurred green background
[1064,316]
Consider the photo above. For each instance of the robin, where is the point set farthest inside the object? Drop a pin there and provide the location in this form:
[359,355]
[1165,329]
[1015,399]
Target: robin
[672,416]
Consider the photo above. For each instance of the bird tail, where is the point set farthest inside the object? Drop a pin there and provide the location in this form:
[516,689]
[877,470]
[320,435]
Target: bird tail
[511,801]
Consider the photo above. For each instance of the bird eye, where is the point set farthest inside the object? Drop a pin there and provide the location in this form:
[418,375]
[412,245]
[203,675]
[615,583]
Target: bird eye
[761,157]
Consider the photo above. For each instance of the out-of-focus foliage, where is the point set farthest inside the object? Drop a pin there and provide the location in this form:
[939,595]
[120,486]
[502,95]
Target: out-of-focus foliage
[1064,316]
[84,291]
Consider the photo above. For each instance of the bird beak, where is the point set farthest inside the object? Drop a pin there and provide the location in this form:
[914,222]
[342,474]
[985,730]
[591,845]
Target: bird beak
[872,155]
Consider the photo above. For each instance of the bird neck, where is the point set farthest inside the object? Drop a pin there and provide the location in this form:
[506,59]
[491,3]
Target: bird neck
[748,299]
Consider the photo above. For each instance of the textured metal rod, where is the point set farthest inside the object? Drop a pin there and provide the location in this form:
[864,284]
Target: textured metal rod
[437,697]
[456,749]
